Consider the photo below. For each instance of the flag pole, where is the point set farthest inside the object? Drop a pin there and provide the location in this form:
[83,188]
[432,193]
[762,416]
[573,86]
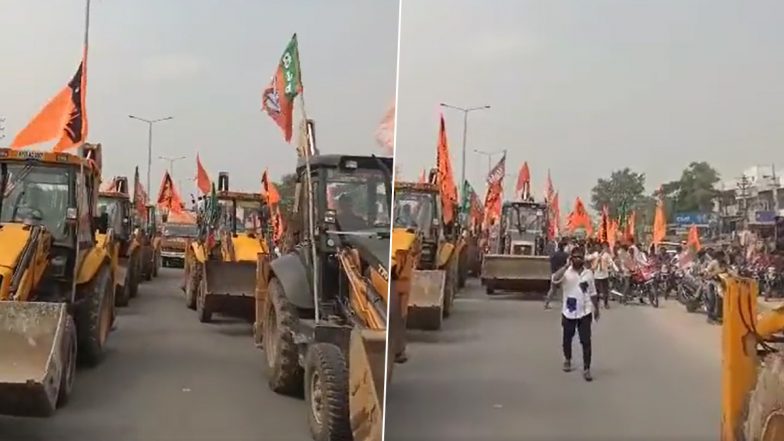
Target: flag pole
[306,156]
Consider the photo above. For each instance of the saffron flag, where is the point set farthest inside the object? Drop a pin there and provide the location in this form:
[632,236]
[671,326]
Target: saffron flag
[139,195]
[604,225]
[286,84]
[612,233]
[385,134]
[269,190]
[498,172]
[554,226]
[659,222]
[168,198]
[493,198]
[445,180]
[63,118]
[523,187]
[579,218]
[694,238]
[549,190]
[202,179]
[272,196]
[631,226]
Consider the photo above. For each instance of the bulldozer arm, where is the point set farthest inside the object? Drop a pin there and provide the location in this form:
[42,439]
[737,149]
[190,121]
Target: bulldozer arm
[367,355]
[516,273]
[31,359]
[426,299]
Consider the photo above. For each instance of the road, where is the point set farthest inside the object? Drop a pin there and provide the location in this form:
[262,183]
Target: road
[494,373]
[167,377]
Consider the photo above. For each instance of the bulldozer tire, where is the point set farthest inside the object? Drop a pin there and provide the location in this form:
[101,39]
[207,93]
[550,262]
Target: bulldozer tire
[134,269]
[763,418]
[94,319]
[692,305]
[192,286]
[280,351]
[326,393]
[204,313]
[69,363]
[122,295]
[489,290]
[450,287]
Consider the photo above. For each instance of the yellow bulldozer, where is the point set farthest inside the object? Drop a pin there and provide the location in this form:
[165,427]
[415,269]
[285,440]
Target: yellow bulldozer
[518,260]
[56,280]
[321,310]
[434,282]
[220,271]
[127,252]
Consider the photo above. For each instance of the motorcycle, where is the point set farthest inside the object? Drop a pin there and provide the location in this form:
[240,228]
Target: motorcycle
[642,285]
[691,292]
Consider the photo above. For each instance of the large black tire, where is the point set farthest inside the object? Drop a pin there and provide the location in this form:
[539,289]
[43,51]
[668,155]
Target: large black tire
[450,287]
[204,313]
[192,285]
[122,295]
[326,393]
[69,354]
[134,268]
[764,406]
[280,351]
[94,318]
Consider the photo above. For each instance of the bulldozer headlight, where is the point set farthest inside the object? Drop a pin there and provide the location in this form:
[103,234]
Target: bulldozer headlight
[330,242]
[329,216]
[350,164]
[70,214]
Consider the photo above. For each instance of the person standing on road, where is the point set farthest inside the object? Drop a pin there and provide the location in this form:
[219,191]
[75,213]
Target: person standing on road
[602,263]
[580,307]
[558,260]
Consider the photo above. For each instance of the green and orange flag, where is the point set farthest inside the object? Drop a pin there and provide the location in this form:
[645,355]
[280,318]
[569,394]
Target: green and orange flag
[286,84]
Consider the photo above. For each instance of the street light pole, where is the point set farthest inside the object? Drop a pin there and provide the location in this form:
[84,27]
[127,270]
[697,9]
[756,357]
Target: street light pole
[466,111]
[489,157]
[171,163]
[149,122]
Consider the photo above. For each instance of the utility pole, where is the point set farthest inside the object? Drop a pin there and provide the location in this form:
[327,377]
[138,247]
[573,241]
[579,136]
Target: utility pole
[744,183]
[171,162]
[149,122]
[466,111]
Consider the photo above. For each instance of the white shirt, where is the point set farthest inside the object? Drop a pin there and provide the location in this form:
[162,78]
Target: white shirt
[602,262]
[576,303]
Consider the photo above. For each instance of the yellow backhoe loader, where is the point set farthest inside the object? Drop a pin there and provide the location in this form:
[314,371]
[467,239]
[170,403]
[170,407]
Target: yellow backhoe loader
[434,282]
[125,244]
[56,280]
[321,314]
[221,273]
[405,254]
[150,243]
[519,259]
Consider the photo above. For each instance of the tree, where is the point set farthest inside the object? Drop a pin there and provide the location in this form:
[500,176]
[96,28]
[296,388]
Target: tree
[621,192]
[286,189]
[694,191]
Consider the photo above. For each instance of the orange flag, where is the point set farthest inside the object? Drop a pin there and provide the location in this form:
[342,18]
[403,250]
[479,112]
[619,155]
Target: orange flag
[493,202]
[694,238]
[385,133]
[63,118]
[168,198]
[612,233]
[202,179]
[579,218]
[555,216]
[659,223]
[549,190]
[445,181]
[269,190]
[604,225]
[631,226]
[139,195]
[278,98]
[524,181]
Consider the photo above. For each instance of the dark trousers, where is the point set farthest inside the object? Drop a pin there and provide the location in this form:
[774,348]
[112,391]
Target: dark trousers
[603,289]
[583,327]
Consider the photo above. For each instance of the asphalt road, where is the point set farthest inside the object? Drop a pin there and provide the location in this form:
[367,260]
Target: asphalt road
[494,373]
[168,377]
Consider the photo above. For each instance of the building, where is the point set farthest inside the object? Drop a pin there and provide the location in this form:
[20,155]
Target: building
[751,200]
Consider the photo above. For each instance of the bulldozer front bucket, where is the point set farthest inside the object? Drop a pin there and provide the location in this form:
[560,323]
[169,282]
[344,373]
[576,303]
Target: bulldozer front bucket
[367,355]
[516,273]
[426,299]
[31,360]
[231,288]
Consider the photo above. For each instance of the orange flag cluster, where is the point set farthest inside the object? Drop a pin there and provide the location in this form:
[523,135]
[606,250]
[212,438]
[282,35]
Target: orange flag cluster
[579,218]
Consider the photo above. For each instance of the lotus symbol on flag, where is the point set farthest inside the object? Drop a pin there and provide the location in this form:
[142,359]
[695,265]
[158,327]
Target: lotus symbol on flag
[272,99]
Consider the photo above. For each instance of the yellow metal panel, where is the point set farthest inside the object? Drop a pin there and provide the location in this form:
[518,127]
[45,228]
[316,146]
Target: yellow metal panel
[445,251]
[247,249]
[13,238]
[90,265]
[402,240]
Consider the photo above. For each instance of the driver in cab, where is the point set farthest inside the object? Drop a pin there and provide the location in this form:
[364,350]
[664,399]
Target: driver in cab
[347,220]
[405,217]
[32,205]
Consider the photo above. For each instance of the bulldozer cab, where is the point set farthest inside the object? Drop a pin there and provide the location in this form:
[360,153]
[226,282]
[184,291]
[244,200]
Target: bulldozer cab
[116,204]
[523,226]
[418,210]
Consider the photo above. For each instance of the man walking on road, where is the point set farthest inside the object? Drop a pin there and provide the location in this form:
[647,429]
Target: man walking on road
[558,260]
[580,307]
[602,262]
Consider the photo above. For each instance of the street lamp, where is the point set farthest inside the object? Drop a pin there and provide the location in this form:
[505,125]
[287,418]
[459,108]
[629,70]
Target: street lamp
[149,122]
[466,111]
[171,162]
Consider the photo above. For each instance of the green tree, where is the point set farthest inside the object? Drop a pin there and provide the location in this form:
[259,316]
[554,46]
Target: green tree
[694,191]
[621,192]
[286,187]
